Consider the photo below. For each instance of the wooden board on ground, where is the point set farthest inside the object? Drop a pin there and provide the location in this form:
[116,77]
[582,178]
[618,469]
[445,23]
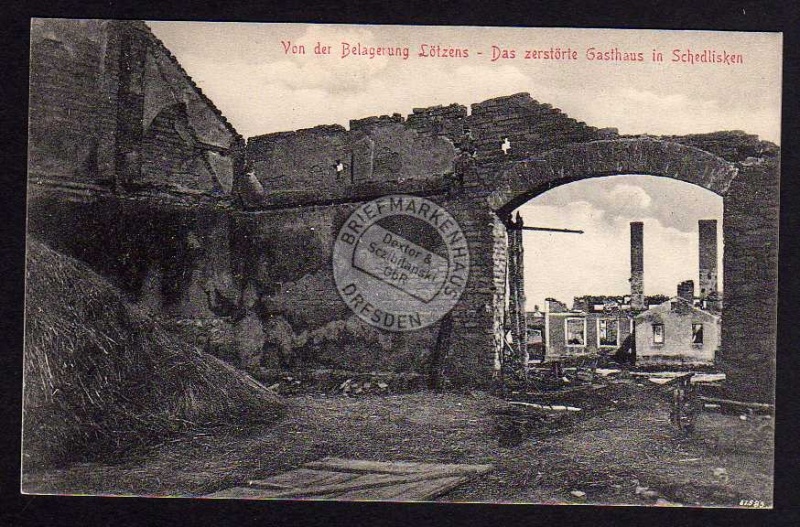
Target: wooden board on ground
[354,479]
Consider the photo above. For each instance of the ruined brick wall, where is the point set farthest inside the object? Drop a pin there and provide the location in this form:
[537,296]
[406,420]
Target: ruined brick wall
[284,260]
[440,152]
[425,152]
[130,166]
[478,316]
[73,101]
[164,256]
[556,344]
[487,183]
[749,316]
[677,347]
[185,142]
[110,105]
[556,338]
[329,163]
[498,285]
[707,248]
[527,127]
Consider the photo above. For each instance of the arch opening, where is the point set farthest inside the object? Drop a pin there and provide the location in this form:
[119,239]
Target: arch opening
[749,191]
[594,277]
[520,181]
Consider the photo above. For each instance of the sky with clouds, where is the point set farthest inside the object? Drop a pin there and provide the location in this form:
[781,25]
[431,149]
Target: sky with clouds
[597,262]
[260,88]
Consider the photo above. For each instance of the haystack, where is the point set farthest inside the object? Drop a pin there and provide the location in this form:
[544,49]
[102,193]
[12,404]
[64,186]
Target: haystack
[103,378]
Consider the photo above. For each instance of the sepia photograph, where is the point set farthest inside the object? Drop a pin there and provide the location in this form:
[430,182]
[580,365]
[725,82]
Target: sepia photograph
[389,263]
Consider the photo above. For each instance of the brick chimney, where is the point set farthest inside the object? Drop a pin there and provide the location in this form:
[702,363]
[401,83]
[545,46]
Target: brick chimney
[708,258]
[686,291]
[637,265]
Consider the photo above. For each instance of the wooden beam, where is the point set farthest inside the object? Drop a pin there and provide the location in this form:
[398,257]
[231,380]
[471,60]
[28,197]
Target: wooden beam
[755,406]
[369,481]
[546,229]
[390,467]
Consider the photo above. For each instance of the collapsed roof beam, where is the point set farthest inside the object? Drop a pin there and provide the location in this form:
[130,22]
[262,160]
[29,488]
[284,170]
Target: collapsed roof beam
[547,229]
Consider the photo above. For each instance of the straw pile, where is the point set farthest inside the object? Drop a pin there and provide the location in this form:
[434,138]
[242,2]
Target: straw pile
[103,378]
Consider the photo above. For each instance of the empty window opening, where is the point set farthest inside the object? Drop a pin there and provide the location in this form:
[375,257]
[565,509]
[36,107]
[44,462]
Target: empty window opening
[607,333]
[658,333]
[697,334]
[575,330]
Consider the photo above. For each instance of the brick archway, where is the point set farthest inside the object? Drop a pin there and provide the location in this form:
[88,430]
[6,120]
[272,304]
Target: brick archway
[524,180]
[749,189]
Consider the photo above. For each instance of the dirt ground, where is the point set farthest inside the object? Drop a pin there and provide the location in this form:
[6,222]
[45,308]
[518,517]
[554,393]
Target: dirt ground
[620,449]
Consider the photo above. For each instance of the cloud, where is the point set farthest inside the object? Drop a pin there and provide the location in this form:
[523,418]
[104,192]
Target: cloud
[627,199]
[331,72]
[635,111]
[245,71]
[651,99]
[672,202]
[300,94]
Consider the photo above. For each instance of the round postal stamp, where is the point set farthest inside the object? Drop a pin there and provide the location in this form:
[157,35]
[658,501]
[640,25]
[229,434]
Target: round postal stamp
[400,262]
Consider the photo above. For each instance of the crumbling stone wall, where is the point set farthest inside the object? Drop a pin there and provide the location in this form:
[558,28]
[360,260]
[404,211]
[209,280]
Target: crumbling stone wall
[131,166]
[528,125]
[283,261]
[557,348]
[749,314]
[110,106]
[164,256]
[329,163]
[73,101]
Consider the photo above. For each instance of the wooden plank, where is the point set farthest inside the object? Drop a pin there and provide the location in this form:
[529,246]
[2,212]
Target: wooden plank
[366,481]
[363,466]
[429,490]
[359,480]
[302,478]
[417,491]
[425,490]
[354,481]
[391,467]
[242,493]
[755,406]
[547,407]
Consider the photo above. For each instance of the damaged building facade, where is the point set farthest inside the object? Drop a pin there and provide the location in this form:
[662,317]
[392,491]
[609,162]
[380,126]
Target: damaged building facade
[134,171]
[677,332]
[682,330]
[595,328]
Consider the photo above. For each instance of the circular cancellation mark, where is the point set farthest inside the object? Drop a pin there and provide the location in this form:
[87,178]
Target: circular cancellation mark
[400,262]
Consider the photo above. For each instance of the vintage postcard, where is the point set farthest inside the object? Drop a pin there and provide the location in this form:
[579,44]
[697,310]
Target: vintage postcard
[396,263]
